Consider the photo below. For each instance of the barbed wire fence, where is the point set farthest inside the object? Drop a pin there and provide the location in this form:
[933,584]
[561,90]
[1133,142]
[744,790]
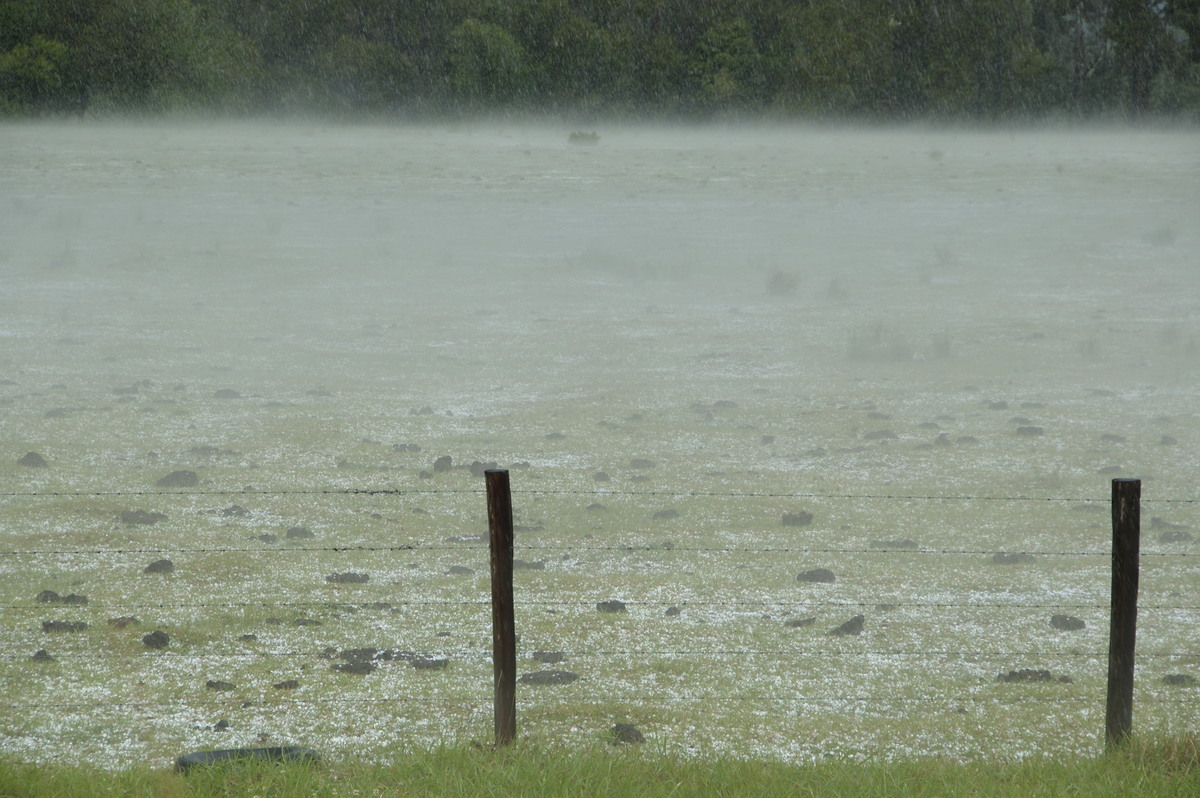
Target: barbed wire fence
[610,647]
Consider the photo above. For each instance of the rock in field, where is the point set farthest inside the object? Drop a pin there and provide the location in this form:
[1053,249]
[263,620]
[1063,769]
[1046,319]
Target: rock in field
[179,479]
[854,626]
[626,733]
[816,575]
[1067,623]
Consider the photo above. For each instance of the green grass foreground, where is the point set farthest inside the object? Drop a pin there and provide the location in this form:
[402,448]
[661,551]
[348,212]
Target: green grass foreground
[1170,768]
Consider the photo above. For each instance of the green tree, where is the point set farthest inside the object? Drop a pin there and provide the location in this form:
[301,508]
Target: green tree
[727,67]
[1136,28]
[32,75]
[835,56]
[356,74]
[486,64]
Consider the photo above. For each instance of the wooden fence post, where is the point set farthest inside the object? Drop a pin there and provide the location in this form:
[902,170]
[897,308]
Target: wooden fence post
[1122,628]
[504,636]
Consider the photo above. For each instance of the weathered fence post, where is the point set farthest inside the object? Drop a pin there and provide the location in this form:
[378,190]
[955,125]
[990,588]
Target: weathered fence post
[504,636]
[1122,628]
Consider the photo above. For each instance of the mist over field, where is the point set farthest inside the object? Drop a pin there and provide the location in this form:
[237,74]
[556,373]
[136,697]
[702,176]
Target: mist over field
[720,320]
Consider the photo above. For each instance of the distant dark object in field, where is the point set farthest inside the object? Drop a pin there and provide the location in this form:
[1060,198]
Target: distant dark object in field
[235,511]
[298,533]
[306,622]
[1177,680]
[179,479]
[1031,431]
[548,677]
[33,460]
[1018,558]
[781,283]
[641,462]
[141,517]
[767,440]
[157,639]
[50,597]
[583,139]
[227,393]
[64,626]
[219,686]
[248,638]
[424,411]
[548,657]
[159,567]
[1108,470]
[1000,405]
[555,436]
[943,439]
[1066,623]
[123,621]
[854,626]
[221,725]
[799,623]
[348,578]
[673,612]
[665,515]
[459,570]
[287,684]
[880,435]
[267,537]
[42,655]
[443,464]
[426,664]
[626,733]
[1031,675]
[595,506]
[966,439]
[601,476]
[406,447]
[816,575]
[478,468]
[529,565]
[611,606]
[355,667]
[287,753]
[1161,237]
[1167,440]
[1110,437]
[425,475]
[1175,537]
[798,518]
[904,544]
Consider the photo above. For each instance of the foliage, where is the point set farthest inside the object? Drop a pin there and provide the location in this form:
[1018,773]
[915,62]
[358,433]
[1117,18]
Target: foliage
[863,58]
[1168,768]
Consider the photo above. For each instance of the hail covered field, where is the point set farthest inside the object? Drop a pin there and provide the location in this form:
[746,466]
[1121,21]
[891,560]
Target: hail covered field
[752,383]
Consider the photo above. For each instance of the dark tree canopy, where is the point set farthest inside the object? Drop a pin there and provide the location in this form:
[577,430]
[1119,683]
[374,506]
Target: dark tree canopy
[865,59]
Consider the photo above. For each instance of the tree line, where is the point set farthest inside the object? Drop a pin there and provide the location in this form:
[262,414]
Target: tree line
[855,59]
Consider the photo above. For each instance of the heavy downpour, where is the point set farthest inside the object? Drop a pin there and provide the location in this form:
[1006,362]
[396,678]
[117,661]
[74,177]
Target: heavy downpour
[812,351]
